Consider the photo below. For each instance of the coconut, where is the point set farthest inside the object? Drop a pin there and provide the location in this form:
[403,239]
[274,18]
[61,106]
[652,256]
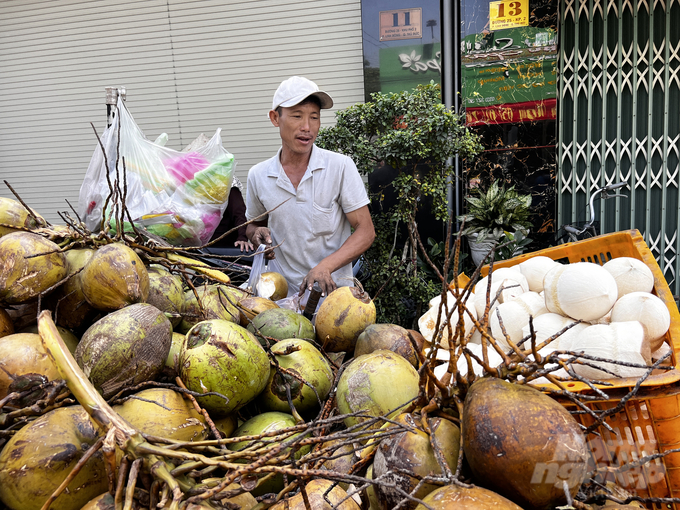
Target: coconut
[583,290]
[172,361]
[24,276]
[502,291]
[6,324]
[71,309]
[465,498]
[220,356]
[39,457]
[376,384]
[102,502]
[14,216]
[321,495]
[342,317]
[370,493]
[515,316]
[410,451]
[340,457]
[24,363]
[250,306]
[618,341]
[216,302]
[166,292]
[649,310]
[428,323]
[280,324]
[115,277]
[534,270]
[69,338]
[124,348]
[631,275]
[443,357]
[162,412]
[301,358]
[264,423]
[522,444]
[272,285]
[503,273]
[390,337]
[226,424]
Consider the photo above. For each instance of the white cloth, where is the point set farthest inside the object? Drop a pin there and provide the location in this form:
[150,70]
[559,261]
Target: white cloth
[312,223]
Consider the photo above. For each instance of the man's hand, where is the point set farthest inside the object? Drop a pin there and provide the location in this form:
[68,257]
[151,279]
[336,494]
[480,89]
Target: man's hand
[320,275]
[260,236]
[244,245]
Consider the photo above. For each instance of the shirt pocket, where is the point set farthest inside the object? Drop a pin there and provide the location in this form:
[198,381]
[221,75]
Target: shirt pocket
[323,219]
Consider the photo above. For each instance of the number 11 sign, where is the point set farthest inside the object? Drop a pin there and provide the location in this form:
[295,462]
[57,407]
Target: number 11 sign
[508,14]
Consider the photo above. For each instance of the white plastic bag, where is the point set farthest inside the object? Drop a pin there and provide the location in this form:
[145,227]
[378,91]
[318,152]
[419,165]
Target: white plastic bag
[261,265]
[179,196]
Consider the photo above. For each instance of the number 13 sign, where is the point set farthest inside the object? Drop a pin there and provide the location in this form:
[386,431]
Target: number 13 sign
[508,14]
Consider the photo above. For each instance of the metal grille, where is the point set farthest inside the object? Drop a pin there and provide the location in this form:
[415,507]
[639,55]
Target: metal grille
[619,118]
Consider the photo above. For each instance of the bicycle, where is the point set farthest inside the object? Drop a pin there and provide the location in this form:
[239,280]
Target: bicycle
[590,228]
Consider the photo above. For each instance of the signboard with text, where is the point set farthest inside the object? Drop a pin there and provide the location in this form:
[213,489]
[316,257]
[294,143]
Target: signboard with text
[401,24]
[516,66]
[405,67]
[508,14]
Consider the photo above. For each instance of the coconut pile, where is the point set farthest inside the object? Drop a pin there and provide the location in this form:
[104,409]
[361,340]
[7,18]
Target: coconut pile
[599,315]
[134,375]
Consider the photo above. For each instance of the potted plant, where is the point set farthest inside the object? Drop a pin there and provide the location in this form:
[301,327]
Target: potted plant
[492,213]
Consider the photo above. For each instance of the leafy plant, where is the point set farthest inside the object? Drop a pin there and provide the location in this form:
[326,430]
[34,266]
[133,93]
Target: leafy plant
[497,210]
[511,244]
[415,134]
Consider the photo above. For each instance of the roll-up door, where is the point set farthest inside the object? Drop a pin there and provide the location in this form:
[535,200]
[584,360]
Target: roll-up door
[189,67]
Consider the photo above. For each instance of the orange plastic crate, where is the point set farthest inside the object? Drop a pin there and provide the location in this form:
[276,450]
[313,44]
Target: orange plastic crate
[649,423]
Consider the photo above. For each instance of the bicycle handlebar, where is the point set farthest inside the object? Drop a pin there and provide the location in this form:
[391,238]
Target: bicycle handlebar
[612,187]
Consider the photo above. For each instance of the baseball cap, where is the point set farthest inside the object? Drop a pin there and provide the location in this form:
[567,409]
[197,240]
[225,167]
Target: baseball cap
[296,89]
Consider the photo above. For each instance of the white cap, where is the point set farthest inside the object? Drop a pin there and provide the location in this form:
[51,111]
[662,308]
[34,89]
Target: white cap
[296,89]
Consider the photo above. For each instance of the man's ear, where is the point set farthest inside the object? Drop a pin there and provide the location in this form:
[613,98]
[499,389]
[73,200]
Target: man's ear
[274,117]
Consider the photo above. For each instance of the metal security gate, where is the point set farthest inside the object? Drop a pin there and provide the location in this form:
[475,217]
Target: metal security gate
[619,118]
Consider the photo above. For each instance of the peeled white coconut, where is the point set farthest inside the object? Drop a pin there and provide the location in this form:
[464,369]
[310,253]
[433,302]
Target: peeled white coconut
[509,290]
[428,322]
[631,275]
[583,291]
[515,315]
[443,355]
[450,299]
[647,309]
[534,270]
[504,273]
[549,324]
[618,341]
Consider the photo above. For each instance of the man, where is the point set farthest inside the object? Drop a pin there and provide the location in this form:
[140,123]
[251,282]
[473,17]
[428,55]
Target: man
[316,197]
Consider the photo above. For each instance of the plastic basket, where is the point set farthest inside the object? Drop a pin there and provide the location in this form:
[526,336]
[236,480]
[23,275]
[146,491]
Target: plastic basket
[648,423]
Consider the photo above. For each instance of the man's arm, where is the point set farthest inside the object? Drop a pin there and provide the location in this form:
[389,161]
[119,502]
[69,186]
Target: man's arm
[356,244]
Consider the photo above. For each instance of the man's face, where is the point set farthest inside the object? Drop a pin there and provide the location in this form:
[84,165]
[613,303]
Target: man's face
[298,125]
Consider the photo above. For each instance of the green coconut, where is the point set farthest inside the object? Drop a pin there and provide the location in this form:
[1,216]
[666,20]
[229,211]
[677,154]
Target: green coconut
[390,337]
[282,323]
[6,324]
[69,338]
[216,302]
[71,309]
[342,317]
[166,292]
[522,444]
[376,384]
[124,348]
[466,498]
[321,495]
[39,457]
[267,422]
[172,361]
[24,363]
[305,361]
[251,306]
[163,412]
[102,502]
[410,451]
[14,217]
[115,277]
[24,276]
[223,357]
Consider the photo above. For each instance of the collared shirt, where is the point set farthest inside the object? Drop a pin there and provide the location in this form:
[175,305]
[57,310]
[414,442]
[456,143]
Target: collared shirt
[310,222]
